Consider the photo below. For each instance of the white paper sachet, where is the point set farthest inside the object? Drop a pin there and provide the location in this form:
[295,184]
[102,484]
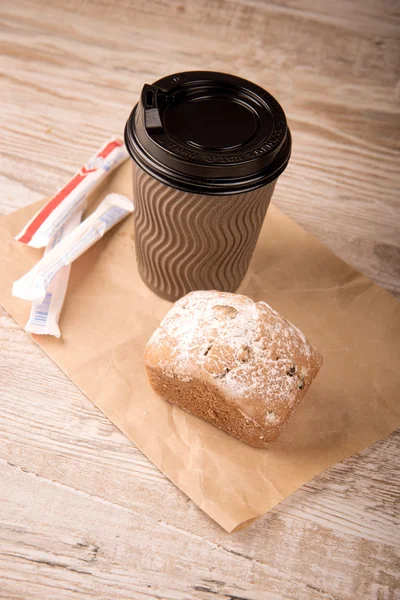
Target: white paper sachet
[34,284]
[44,316]
[48,220]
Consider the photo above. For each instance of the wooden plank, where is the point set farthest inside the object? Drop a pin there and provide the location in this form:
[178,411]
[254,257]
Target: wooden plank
[83,513]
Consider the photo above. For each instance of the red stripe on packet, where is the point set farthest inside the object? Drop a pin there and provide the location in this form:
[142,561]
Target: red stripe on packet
[110,147]
[63,193]
[48,209]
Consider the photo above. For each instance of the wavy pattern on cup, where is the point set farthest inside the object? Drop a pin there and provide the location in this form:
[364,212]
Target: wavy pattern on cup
[189,241]
[142,217]
[250,221]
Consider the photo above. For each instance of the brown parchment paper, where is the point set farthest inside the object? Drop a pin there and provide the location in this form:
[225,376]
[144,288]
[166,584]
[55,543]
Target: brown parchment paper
[109,314]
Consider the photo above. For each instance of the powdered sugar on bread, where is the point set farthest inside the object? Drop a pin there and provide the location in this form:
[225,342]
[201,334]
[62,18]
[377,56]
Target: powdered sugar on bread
[247,351]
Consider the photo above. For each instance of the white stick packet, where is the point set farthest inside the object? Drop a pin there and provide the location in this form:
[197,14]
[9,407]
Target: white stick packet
[48,220]
[44,316]
[33,285]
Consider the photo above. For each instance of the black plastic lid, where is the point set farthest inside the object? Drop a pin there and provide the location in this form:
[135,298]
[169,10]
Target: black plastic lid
[209,133]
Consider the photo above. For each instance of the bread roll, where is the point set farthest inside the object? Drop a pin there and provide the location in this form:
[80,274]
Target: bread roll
[233,362]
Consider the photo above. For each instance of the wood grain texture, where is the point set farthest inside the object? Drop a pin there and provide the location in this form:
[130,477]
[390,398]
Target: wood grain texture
[83,514]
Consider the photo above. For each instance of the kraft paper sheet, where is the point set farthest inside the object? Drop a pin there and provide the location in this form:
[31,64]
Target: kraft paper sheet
[109,314]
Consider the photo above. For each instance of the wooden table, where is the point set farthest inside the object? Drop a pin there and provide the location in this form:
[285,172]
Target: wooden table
[83,513]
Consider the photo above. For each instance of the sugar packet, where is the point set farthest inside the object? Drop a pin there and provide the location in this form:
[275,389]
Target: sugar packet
[33,285]
[48,220]
[44,316]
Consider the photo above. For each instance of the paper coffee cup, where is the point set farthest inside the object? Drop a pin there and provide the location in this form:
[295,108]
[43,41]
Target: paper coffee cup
[207,149]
